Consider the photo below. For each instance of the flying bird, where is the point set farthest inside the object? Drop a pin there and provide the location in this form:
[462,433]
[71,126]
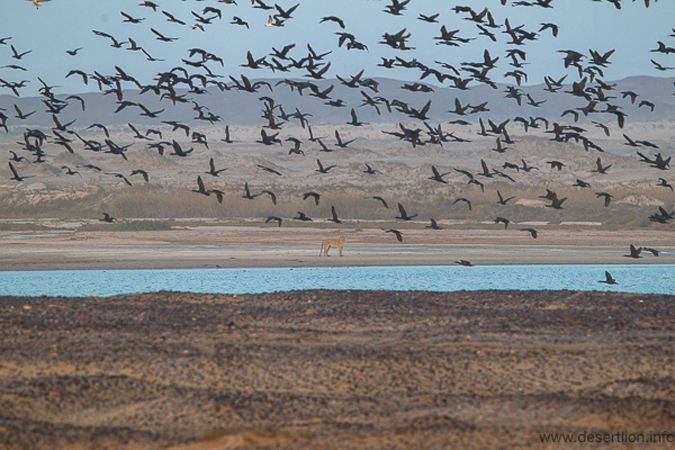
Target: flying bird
[381,200]
[313,195]
[608,279]
[334,216]
[532,231]
[15,174]
[274,219]
[634,252]
[107,218]
[398,234]
[434,225]
[404,215]
[465,263]
[606,196]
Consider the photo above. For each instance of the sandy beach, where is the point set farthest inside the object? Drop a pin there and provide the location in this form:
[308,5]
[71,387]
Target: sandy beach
[255,246]
[336,370]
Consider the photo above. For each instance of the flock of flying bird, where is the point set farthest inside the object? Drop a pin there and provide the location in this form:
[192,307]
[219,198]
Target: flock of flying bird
[183,84]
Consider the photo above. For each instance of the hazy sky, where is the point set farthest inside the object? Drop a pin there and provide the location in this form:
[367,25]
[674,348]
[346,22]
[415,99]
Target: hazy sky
[61,25]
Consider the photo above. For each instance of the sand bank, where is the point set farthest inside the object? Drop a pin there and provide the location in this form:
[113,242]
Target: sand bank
[297,247]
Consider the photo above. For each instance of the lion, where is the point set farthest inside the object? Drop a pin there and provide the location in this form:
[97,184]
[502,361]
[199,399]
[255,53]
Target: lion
[327,244]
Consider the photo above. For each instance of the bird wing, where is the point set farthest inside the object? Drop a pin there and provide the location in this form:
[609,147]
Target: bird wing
[11,167]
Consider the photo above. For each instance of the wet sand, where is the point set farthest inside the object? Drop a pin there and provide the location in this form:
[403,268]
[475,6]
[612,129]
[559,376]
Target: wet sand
[254,246]
[334,370]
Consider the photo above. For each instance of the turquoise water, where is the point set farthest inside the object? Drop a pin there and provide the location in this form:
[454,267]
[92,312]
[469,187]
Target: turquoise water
[647,278]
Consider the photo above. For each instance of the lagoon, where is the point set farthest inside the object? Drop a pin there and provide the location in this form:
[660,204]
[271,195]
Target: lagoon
[635,278]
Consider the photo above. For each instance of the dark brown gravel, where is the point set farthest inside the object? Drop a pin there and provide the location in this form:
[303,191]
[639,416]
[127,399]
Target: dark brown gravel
[334,369]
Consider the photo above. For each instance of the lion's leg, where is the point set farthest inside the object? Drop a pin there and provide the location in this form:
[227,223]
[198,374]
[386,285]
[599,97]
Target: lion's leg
[340,250]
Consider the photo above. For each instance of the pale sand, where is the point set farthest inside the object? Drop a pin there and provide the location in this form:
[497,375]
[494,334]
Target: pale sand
[255,246]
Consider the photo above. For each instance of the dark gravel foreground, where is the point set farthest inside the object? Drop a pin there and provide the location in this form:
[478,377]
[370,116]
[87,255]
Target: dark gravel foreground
[335,370]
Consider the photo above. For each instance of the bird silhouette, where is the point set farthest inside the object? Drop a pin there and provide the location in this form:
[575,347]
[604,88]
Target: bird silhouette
[404,215]
[502,200]
[141,172]
[398,234]
[340,142]
[381,200]
[608,279]
[355,120]
[303,217]
[465,263]
[313,195]
[532,232]
[664,183]
[212,168]
[334,217]
[500,219]
[107,218]
[247,193]
[15,174]
[276,219]
[270,170]
[606,196]
[634,252]
[201,188]
[600,168]
[651,250]
[272,195]
[462,199]
[71,172]
[369,170]
[18,158]
[437,176]
[434,225]
[323,169]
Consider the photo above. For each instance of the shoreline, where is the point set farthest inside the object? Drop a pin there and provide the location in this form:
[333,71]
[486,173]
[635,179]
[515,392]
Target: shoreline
[120,266]
[235,247]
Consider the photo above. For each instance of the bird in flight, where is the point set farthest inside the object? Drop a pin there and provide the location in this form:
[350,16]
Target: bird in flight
[381,200]
[500,219]
[464,262]
[608,279]
[404,215]
[398,234]
[15,174]
[434,225]
[634,252]
[274,219]
[606,196]
[334,217]
[532,231]
[313,195]
[437,176]
[107,218]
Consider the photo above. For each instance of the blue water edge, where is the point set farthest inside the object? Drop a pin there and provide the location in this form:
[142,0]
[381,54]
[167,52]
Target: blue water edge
[647,278]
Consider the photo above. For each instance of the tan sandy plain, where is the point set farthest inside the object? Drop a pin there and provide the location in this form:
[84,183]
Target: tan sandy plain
[255,246]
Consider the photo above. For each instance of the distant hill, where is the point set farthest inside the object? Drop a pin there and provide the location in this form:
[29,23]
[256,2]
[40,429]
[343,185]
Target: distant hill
[243,108]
